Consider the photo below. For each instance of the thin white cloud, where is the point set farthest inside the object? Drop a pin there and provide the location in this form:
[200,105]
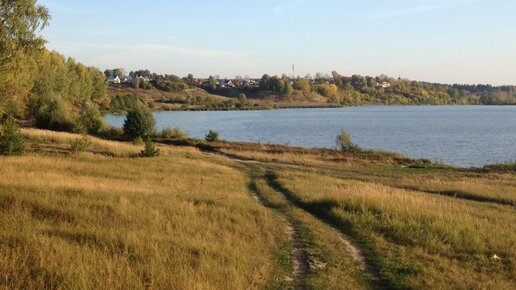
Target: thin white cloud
[149,49]
[422,8]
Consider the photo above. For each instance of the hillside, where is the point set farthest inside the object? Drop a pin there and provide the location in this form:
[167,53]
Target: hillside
[196,98]
[170,92]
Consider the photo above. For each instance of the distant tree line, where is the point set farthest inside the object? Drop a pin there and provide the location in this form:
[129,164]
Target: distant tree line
[336,88]
[361,90]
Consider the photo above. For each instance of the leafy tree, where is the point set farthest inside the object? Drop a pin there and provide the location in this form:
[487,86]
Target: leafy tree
[20,22]
[327,90]
[189,80]
[11,140]
[345,144]
[303,84]
[139,123]
[265,82]
[213,82]
[90,119]
[52,112]
[242,99]
[212,136]
[108,72]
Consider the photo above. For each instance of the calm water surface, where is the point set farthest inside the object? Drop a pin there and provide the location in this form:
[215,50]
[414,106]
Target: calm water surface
[459,135]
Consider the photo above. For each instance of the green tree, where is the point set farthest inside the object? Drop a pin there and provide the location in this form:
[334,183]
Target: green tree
[11,140]
[303,85]
[345,144]
[212,136]
[150,149]
[20,22]
[139,123]
[213,82]
[242,99]
[90,119]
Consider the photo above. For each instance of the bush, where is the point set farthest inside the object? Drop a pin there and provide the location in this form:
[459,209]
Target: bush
[15,107]
[503,167]
[327,90]
[80,145]
[11,140]
[175,133]
[212,136]
[139,123]
[149,150]
[345,144]
[110,132]
[52,113]
[90,120]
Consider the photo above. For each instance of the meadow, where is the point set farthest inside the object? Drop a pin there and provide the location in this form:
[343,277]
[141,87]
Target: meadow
[248,216]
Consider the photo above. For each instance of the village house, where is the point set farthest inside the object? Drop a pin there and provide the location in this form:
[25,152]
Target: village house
[114,79]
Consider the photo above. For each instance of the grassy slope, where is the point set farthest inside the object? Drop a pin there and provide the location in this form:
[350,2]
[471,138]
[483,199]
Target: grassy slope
[260,100]
[92,221]
[187,219]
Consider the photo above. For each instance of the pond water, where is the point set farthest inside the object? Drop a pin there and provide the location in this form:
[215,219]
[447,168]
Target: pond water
[459,135]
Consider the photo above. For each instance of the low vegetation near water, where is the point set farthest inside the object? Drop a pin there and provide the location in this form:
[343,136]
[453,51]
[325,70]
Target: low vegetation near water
[285,218]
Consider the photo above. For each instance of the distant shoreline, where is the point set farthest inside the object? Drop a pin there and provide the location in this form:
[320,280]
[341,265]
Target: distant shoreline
[301,107]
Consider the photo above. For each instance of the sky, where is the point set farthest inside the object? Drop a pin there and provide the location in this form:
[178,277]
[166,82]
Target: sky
[446,41]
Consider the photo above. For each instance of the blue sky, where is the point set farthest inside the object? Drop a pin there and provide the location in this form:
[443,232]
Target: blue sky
[448,41]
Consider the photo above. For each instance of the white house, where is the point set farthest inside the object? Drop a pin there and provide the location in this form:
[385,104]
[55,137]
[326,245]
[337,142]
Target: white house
[114,79]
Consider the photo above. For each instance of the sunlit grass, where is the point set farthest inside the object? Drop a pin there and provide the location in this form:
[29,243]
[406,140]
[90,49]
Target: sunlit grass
[90,222]
[418,240]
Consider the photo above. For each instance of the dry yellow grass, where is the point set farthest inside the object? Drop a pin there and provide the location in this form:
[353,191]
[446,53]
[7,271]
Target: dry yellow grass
[62,140]
[418,240]
[94,222]
[103,219]
[331,265]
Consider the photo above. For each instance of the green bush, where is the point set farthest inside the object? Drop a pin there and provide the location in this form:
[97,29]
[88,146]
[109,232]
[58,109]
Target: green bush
[345,144]
[90,120]
[80,145]
[52,113]
[110,132]
[149,150]
[212,136]
[15,107]
[139,123]
[11,140]
[172,133]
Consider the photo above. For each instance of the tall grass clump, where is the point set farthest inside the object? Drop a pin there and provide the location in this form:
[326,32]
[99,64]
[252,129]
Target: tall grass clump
[172,133]
[80,145]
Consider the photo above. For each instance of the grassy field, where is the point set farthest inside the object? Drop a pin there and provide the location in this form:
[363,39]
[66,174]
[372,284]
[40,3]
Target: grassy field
[248,216]
[180,221]
[417,240]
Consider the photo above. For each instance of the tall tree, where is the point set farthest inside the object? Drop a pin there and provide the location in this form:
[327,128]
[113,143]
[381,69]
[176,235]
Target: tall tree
[20,22]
